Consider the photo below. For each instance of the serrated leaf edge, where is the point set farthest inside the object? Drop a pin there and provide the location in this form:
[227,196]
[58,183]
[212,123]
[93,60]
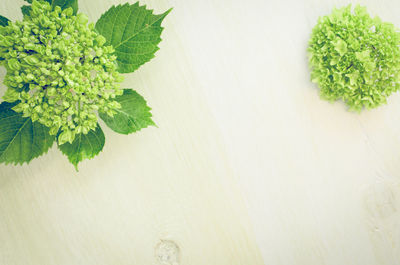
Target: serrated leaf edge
[15,136]
[85,158]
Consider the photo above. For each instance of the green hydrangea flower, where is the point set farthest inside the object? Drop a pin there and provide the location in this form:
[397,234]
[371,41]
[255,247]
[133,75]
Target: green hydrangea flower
[59,70]
[355,58]
[64,74]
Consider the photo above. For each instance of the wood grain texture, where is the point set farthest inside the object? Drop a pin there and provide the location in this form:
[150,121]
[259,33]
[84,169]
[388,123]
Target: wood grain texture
[167,183]
[307,168]
[247,165]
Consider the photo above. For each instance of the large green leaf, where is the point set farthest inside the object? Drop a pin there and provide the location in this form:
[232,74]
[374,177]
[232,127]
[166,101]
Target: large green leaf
[3,21]
[85,146]
[21,140]
[134,32]
[133,115]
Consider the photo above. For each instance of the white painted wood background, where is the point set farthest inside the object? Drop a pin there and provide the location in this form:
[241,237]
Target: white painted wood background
[248,166]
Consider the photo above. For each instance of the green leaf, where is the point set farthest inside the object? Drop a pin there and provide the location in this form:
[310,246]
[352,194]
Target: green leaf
[21,140]
[65,4]
[26,10]
[30,1]
[3,21]
[85,146]
[134,32]
[133,115]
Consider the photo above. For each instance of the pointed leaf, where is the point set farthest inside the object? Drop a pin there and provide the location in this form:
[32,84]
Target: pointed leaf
[134,32]
[21,140]
[85,146]
[133,115]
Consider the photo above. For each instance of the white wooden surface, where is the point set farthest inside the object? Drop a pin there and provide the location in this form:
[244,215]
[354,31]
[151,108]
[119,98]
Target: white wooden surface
[248,165]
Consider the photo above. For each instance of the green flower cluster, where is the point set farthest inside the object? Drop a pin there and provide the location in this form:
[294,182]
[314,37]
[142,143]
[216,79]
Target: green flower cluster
[59,70]
[355,58]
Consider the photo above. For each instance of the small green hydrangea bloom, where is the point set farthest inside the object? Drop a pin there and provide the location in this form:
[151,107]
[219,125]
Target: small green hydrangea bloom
[355,58]
[59,70]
